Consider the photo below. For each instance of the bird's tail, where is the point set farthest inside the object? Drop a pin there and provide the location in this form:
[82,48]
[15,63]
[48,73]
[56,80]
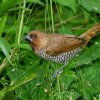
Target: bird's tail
[91,32]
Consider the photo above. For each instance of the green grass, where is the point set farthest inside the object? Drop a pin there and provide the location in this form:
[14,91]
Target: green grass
[24,75]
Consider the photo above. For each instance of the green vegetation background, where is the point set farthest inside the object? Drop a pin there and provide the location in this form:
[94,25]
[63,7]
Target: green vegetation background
[25,76]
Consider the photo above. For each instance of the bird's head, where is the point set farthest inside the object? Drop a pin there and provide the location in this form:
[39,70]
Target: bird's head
[37,39]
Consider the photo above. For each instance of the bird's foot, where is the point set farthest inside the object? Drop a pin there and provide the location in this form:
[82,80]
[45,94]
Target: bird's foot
[59,71]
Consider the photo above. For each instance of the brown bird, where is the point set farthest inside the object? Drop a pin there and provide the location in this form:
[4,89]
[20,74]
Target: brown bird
[59,48]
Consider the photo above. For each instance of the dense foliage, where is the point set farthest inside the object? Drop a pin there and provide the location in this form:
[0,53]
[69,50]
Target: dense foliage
[24,75]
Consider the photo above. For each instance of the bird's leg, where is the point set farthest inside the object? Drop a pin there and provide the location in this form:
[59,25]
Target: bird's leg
[58,72]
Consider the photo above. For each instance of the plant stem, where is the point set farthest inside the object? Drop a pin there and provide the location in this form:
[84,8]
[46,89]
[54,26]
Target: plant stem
[59,91]
[5,62]
[46,13]
[52,16]
[21,22]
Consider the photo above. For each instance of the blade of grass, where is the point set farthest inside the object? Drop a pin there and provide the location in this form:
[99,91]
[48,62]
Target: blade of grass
[27,76]
[5,62]
[21,21]
[7,4]
[2,23]
[52,20]
[5,47]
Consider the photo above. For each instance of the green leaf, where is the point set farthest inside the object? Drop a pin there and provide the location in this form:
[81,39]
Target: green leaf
[89,54]
[19,78]
[68,77]
[23,46]
[2,23]
[22,78]
[88,84]
[90,5]
[65,30]
[7,5]
[35,1]
[5,47]
[86,56]
[68,3]
[90,74]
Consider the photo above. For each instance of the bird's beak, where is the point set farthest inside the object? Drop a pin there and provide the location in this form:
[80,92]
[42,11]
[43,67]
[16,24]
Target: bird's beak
[28,38]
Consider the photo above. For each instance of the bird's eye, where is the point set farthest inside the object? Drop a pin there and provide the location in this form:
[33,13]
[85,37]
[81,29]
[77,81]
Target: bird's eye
[33,36]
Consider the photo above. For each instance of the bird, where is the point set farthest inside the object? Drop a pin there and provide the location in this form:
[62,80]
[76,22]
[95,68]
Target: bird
[60,48]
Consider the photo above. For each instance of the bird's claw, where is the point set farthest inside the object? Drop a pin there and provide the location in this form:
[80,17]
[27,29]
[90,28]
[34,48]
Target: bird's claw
[56,74]
[59,71]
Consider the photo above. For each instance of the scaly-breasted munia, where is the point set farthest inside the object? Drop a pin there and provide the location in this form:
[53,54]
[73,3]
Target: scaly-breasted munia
[57,47]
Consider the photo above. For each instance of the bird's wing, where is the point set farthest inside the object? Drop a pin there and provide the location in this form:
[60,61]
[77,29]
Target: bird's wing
[60,44]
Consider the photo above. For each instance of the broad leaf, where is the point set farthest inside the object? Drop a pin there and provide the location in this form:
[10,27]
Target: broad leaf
[90,5]
[7,5]
[6,49]
[2,23]
[68,3]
